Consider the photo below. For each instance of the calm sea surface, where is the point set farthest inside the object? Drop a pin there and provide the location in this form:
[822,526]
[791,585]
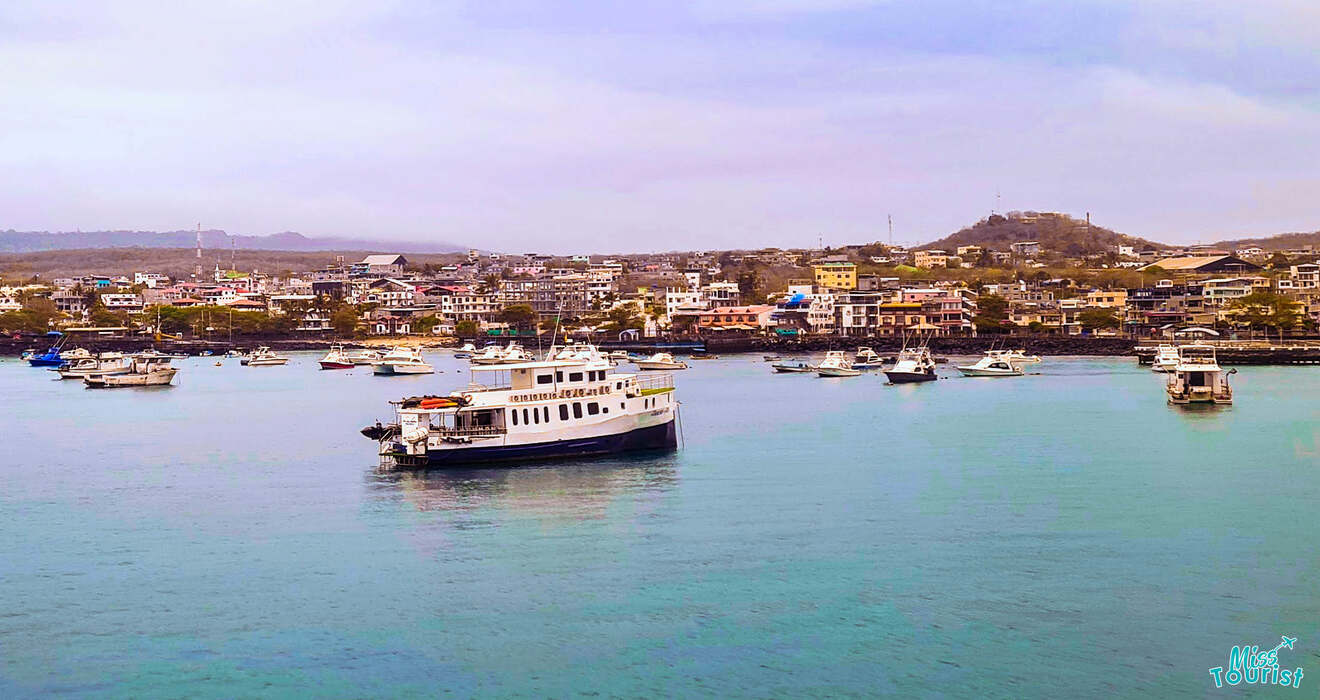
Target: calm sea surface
[1060,535]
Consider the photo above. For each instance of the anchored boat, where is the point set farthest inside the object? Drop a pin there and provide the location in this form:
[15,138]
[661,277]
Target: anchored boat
[531,411]
[996,363]
[792,366]
[146,369]
[1166,359]
[912,365]
[402,360]
[263,357]
[836,364]
[105,363]
[866,358]
[660,360]
[1197,378]
[336,359]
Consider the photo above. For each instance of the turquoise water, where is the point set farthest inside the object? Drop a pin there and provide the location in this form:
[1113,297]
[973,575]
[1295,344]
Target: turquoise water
[1066,534]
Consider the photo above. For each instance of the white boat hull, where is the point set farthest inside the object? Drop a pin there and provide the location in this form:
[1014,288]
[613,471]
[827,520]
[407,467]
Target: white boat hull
[646,365]
[983,372]
[385,369]
[838,372]
[161,378]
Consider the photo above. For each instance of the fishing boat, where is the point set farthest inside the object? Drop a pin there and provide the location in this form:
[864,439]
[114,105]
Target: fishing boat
[105,363]
[1197,378]
[866,358]
[55,355]
[792,366]
[336,359]
[771,358]
[1166,359]
[912,365]
[619,356]
[703,356]
[531,412]
[659,361]
[489,355]
[515,354]
[234,353]
[996,363]
[263,357]
[144,370]
[836,364]
[27,354]
[465,352]
[402,360]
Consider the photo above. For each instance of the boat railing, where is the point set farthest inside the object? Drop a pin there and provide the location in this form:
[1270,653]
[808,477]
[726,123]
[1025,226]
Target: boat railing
[654,383]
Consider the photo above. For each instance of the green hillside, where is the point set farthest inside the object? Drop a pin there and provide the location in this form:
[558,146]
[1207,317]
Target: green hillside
[1055,232]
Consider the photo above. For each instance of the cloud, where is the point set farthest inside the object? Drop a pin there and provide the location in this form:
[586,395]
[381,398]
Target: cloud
[653,125]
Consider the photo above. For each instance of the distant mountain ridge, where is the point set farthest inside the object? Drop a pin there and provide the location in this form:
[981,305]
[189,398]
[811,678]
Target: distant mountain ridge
[1054,231]
[1282,241]
[214,239]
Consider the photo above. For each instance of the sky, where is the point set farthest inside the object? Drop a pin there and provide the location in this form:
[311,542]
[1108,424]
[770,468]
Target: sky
[668,125]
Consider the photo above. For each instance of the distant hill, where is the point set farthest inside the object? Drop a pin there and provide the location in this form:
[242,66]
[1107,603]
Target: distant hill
[31,241]
[1283,241]
[1055,232]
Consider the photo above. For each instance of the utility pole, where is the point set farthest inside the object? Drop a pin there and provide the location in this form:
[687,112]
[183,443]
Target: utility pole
[198,274]
[891,230]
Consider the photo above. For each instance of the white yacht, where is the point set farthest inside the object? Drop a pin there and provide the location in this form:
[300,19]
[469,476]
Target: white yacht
[532,411]
[836,364]
[336,359]
[490,355]
[104,363]
[145,369]
[996,363]
[365,356]
[263,357]
[660,360]
[1197,378]
[866,358]
[402,360]
[912,365]
[1166,358]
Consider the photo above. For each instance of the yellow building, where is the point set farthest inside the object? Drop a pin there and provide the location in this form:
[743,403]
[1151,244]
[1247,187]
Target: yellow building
[930,258]
[1107,299]
[835,275]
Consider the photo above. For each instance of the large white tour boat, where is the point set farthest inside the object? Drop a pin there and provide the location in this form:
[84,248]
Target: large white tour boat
[572,407]
[144,369]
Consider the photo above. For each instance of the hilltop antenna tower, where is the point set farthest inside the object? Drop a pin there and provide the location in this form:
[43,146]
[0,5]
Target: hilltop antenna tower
[891,230]
[198,274]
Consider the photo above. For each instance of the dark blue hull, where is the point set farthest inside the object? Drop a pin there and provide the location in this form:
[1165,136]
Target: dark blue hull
[42,362]
[657,437]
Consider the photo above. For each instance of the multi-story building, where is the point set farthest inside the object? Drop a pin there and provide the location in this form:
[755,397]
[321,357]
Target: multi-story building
[722,294]
[835,275]
[379,266]
[131,303]
[927,259]
[1305,276]
[737,317]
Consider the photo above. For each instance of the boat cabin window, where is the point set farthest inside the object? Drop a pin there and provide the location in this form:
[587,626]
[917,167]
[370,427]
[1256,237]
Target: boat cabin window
[514,413]
[546,378]
[593,408]
[559,376]
[545,413]
[563,411]
[477,419]
[574,376]
[577,410]
[536,416]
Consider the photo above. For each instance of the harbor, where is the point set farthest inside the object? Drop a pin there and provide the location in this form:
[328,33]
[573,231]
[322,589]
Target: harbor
[239,515]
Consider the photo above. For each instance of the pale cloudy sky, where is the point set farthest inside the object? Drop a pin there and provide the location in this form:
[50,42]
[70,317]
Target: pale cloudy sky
[638,125]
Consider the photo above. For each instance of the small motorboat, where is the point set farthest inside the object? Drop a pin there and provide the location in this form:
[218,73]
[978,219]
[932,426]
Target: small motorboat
[402,360]
[792,366]
[866,358]
[336,359]
[206,353]
[55,355]
[660,360]
[264,357]
[1198,378]
[1166,359]
[145,369]
[105,363]
[996,363]
[912,365]
[836,364]
[365,356]
[619,355]
[704,356]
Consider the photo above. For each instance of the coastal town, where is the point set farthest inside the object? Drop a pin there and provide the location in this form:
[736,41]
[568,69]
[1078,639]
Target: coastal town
[870,290]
